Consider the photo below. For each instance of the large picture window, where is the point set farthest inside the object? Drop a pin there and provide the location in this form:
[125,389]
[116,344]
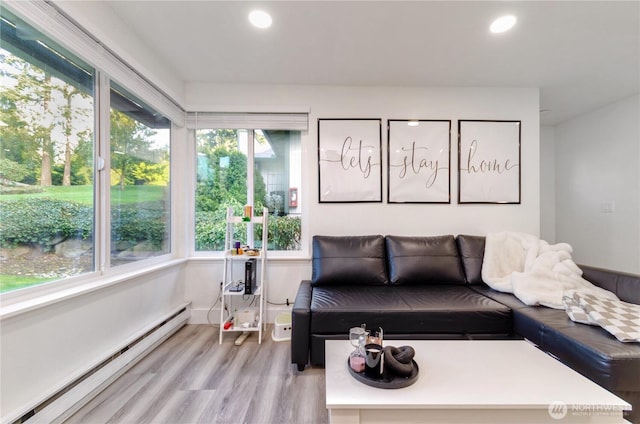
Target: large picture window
[53,205]
[139,180]
[46,159]
[226,159]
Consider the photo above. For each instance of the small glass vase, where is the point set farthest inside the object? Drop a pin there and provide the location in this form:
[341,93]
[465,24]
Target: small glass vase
[357,338]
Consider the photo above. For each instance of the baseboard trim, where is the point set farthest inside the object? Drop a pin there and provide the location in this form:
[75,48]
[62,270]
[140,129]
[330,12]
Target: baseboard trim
[81,393]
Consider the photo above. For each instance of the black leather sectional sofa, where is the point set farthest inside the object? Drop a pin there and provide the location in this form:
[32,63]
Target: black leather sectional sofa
[432,288]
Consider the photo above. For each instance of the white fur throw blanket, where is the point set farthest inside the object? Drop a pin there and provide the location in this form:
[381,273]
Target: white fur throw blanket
[535,271]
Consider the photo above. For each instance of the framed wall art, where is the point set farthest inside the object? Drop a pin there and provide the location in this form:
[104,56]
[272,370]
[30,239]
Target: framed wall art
[489,161]
[350,160]
[419,158]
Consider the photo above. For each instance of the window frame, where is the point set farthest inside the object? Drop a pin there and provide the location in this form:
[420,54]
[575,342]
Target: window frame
[248,122]
[107,67]
[106,155]
[48,19]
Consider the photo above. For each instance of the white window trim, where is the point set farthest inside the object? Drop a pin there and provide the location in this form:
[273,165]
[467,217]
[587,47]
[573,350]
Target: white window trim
[240,121]
[102,161]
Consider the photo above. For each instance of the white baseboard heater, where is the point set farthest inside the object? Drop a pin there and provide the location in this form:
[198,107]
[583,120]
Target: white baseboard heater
[70,399]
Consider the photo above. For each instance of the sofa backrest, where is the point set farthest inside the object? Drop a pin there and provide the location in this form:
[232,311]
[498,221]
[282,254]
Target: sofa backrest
[378,260]
[471,250]
[423,260]
[625,286]
[348,260]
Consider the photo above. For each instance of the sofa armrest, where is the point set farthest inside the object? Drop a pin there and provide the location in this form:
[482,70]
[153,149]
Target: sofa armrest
[301,325]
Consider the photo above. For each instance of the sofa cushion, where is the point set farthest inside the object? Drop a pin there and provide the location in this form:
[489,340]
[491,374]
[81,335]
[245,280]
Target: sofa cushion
[455,309]
[443,309]
[531,322]
[596,354]
[348,260]
[335,309]
[471,254]
[506,299]
[423,260]
[590,350]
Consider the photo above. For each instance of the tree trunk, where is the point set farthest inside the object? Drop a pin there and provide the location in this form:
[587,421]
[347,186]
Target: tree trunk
[123,169]
[66,175]
[45,171]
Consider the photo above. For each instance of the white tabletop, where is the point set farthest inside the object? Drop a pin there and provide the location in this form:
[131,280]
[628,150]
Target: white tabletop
[476,374]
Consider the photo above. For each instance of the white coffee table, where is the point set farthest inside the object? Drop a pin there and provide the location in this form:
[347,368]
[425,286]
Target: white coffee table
[478,381]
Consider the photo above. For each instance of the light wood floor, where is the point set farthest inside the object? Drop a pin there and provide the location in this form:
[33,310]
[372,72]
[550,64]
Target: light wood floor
[190,378]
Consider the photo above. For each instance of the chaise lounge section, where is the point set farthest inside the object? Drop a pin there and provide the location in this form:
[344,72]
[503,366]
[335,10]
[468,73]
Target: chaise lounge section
[432,288]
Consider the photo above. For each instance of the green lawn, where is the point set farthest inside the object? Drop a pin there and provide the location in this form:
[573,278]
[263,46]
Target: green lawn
[134,194]
[14,282]
[84,194]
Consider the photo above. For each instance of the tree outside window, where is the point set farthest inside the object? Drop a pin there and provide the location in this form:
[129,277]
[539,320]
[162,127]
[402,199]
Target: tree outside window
[140,200]
[46,162]
[47,185]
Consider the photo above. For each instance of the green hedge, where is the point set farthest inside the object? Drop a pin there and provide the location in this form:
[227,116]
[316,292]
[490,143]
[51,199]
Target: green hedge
[284,232]
[39,221]
[144,221]
[43,222]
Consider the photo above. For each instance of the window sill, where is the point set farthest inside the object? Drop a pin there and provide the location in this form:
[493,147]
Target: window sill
[218,256]
[33,301]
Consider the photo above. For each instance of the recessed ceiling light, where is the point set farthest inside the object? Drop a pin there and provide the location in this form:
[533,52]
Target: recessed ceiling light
[260,19]
[502,24]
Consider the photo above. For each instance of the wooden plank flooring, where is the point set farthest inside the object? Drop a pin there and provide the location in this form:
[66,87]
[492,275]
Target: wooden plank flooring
[190,378]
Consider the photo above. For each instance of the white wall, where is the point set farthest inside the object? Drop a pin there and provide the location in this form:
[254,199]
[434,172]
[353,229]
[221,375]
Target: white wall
[398,103]
[100,20]
[597,169]
[377,218]
[44,349]
[47,347]
[547,184]
[202,287]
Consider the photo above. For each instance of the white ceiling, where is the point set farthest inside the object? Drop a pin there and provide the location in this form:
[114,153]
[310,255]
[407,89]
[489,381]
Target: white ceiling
[582,55]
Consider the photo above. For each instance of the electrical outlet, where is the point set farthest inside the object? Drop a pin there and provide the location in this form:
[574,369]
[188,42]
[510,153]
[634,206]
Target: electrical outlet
[607,206]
